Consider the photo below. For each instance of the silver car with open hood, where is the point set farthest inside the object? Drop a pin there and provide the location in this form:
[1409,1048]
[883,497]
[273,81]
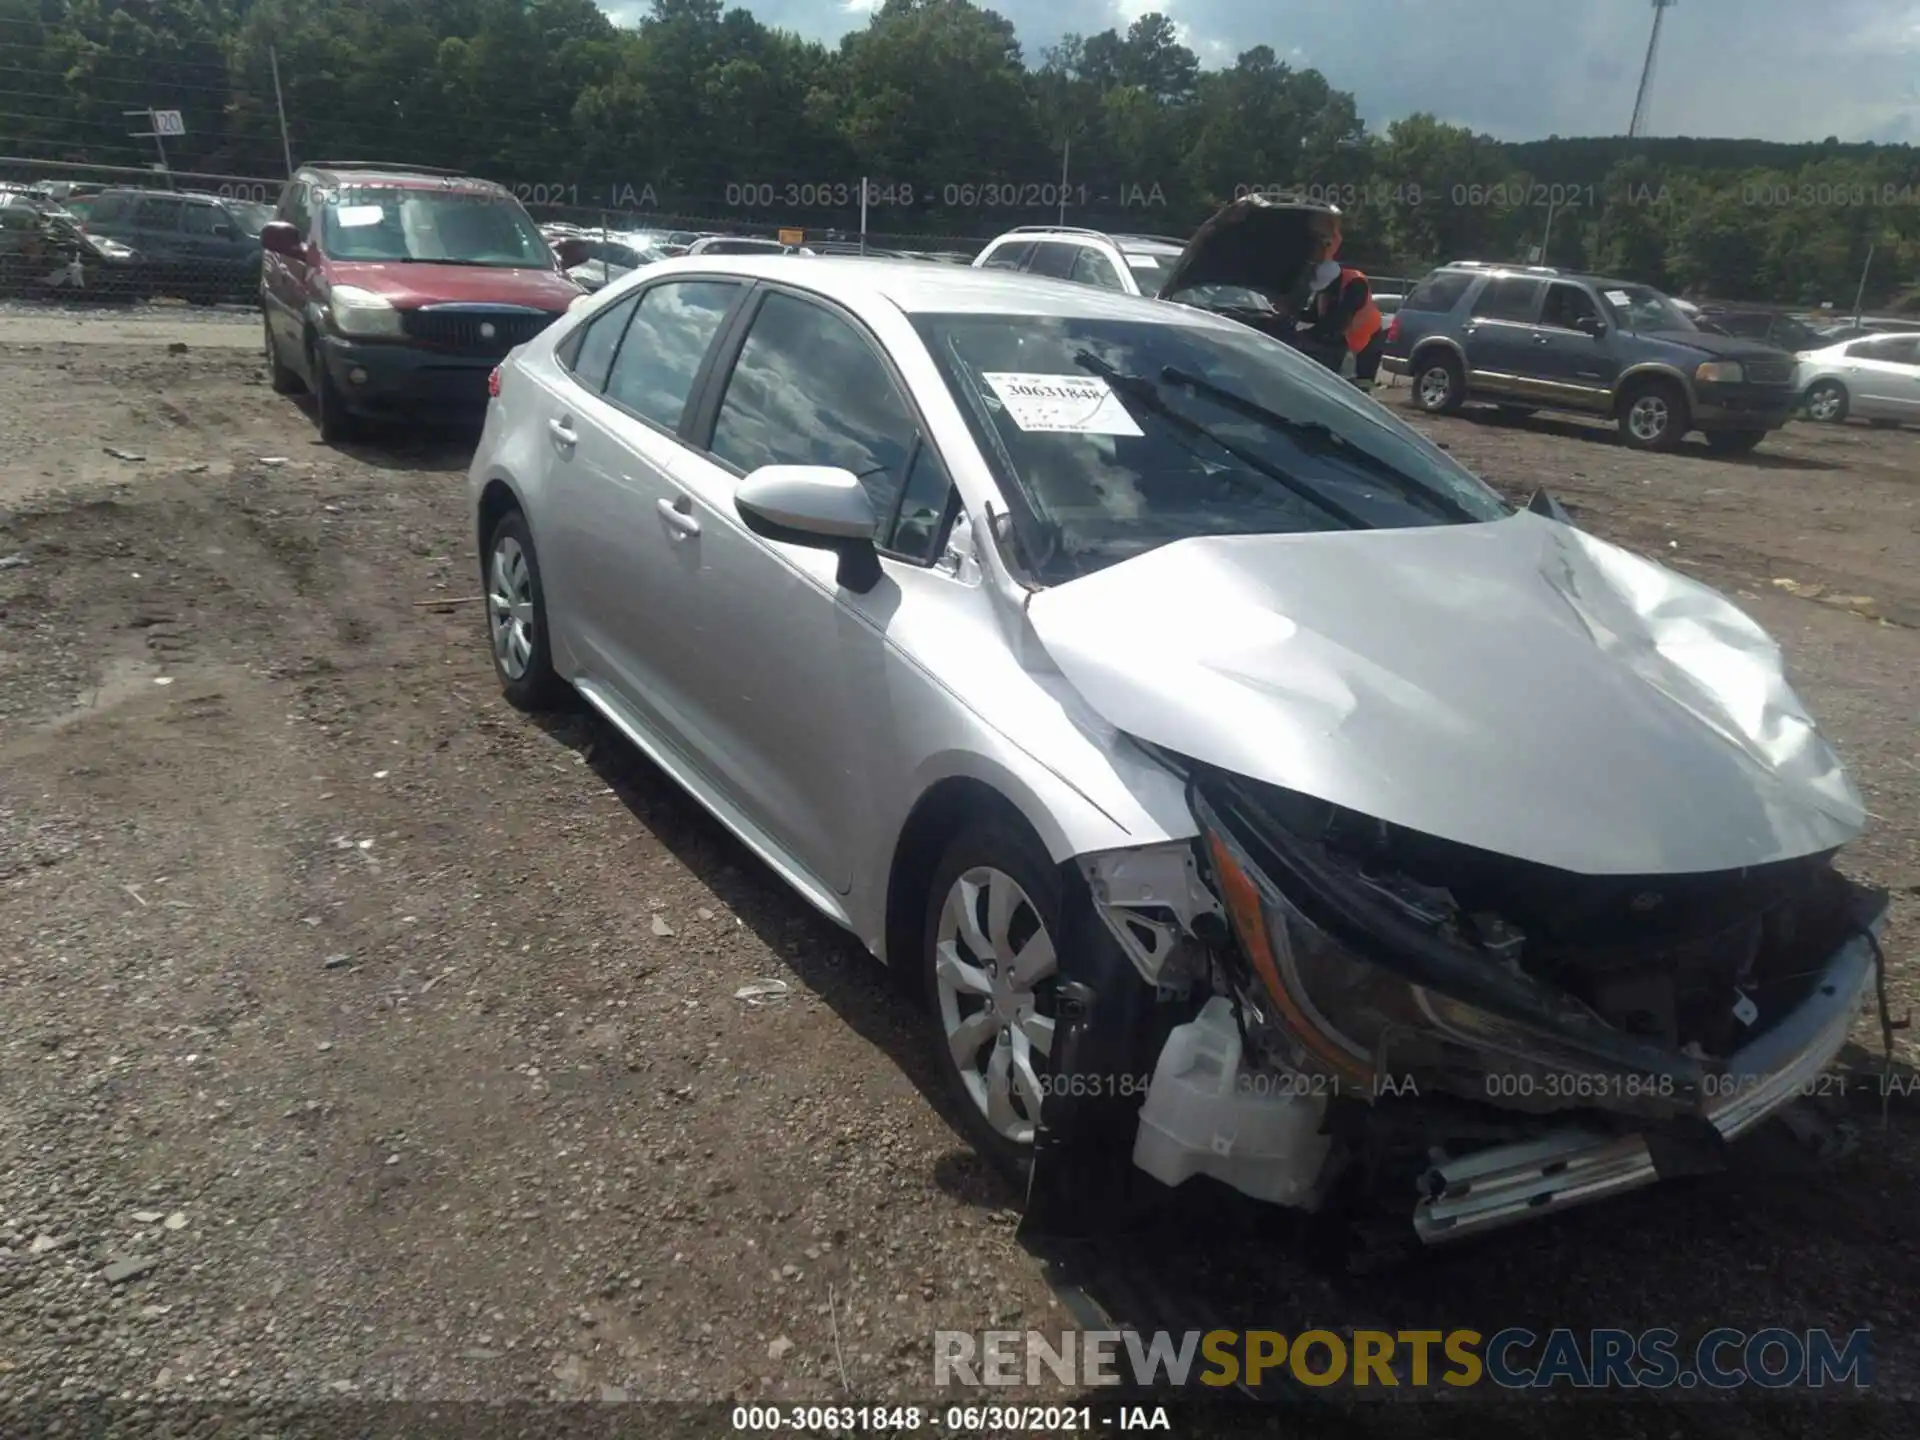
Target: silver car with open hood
[1251,791]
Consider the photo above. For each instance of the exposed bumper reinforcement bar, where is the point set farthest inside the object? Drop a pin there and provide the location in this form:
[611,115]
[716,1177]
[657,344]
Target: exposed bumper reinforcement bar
[1575,1166]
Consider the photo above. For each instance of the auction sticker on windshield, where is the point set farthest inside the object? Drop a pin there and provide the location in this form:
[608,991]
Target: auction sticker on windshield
[1619,297]
[1062,404]
[354,216]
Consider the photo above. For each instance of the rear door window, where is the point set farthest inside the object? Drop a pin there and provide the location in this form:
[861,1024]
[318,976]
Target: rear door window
[1509,297]
[162,216]
[1010,256]
[658,359]
[1090,267]
[588,353]
[1439,293]
[1053,259]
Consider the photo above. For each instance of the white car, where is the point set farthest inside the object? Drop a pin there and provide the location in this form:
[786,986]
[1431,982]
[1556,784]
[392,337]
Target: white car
[1208,746]
[1877,378]
[1130,264]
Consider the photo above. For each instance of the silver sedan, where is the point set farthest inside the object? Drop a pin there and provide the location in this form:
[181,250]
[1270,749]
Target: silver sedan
[1251,790]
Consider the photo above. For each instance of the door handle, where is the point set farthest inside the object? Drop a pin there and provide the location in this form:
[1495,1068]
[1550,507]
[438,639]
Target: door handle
[679,516]
[563,434]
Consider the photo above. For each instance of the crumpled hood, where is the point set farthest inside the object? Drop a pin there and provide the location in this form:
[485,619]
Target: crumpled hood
[1518,686]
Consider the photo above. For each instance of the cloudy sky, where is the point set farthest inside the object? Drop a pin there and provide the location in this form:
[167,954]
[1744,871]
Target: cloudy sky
[1520,69]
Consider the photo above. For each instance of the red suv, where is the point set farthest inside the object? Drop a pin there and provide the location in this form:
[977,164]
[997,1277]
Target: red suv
[391,290]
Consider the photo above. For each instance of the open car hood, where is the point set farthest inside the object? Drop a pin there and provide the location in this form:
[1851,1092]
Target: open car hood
[1261,244]
[1517,686]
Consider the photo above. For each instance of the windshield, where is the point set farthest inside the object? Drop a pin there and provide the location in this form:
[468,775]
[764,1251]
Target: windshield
[1640,307]
[1098,476]
[251,216]
[461,227]
[1223,297]
[1150,271]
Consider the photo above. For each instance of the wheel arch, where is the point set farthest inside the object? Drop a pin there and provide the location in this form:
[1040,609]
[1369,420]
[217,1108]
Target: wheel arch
[1424,349]
[1644,372]
[943,810]
[498,499]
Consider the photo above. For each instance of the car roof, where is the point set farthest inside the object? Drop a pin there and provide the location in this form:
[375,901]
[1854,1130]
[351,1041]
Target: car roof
[1135,244]
[371,175]
[917,288]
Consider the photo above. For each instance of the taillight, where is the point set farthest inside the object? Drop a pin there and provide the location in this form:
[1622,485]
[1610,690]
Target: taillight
[1393,332]
[493,382]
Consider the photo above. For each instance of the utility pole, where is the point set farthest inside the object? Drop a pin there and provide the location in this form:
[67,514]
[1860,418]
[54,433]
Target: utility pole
[1860,295]
[1660,8]
[1066,152]
[280,106]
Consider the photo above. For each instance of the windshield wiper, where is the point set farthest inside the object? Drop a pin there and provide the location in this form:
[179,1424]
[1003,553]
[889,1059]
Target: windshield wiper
[1318,433]
[1138,387]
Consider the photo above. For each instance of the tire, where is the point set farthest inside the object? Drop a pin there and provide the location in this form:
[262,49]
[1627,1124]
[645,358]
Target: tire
[987,860]
[282,378]
[1653,415]
[517,618]
[329,406]
[1734,442]
[1827,401]
[1439,384]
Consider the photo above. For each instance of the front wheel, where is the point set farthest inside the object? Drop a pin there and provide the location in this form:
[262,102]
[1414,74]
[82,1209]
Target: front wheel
[329,405]
[1826,401]
[1734,442]
[279,374]
[1653,416]
[991,974]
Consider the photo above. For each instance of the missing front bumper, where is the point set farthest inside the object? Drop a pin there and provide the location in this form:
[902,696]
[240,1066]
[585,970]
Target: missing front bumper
[1507,1184]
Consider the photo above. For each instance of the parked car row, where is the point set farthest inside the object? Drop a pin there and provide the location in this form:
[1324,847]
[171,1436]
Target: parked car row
[1162,707]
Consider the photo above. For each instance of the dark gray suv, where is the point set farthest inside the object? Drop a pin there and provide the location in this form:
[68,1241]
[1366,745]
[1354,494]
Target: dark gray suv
[1531,338]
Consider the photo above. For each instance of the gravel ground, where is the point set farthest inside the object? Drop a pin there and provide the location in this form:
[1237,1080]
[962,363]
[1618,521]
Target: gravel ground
[366,1039]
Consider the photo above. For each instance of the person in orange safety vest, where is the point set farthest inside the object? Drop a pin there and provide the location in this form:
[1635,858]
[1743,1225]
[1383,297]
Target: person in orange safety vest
[1342,324]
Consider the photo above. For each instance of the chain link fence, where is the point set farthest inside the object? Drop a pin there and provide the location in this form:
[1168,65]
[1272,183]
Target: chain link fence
[176,243]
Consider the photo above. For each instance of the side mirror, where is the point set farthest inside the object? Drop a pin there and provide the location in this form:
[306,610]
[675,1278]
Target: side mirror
[571,253]
[1543,503]
[281,238]
[819,506]
[1591,325]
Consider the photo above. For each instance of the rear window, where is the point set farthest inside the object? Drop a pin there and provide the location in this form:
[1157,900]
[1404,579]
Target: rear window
[1439,292]
[1008,257]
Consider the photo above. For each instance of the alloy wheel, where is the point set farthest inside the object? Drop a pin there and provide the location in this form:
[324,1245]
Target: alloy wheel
[1824,404]
[1436,385]
[510,607]
[1649,417]
[995,970]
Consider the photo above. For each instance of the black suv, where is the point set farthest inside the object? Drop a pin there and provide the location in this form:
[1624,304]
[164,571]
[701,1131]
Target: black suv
[192,246]
[1527,337]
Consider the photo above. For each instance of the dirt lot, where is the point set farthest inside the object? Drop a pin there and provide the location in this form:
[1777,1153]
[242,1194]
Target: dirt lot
[399,1032]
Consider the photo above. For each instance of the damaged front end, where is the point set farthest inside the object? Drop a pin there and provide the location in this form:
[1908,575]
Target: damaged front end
[1338,1010]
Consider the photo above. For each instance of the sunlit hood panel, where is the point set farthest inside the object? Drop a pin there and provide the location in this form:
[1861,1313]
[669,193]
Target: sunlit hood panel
[1518,686]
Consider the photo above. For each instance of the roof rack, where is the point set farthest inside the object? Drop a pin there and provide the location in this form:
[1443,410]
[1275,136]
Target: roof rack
[1058,230]
[385,167]
[1503,265]
[1152,239]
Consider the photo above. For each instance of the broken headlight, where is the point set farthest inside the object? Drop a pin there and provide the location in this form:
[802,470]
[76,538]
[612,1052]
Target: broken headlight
[1370,992]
